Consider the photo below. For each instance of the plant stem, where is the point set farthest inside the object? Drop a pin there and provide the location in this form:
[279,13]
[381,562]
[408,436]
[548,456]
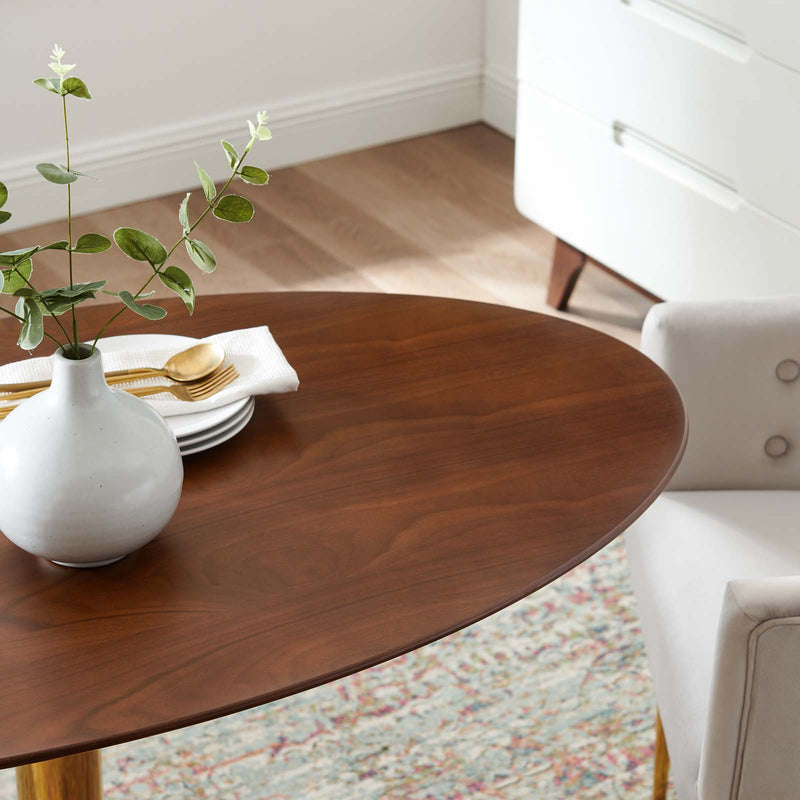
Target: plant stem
[156,270]
[75,349]
[11,313]
[53,339]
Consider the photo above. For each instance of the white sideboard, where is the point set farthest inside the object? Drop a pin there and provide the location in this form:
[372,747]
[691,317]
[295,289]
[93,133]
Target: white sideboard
[662,140]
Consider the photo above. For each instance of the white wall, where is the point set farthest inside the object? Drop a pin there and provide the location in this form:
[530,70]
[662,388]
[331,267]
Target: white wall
[499,103]
[171,77]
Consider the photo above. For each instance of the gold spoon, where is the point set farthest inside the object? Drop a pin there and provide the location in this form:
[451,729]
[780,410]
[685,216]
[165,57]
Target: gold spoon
[191,364]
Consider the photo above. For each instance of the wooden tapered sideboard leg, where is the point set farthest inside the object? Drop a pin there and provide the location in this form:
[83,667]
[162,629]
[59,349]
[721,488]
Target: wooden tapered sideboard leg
[661,770]
[564,273]
[77,777]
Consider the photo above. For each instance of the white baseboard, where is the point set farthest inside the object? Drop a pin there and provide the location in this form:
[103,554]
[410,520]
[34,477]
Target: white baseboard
[160,161]
[499,102]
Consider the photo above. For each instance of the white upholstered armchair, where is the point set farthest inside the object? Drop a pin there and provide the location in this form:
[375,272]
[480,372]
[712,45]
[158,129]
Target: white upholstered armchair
[715,561]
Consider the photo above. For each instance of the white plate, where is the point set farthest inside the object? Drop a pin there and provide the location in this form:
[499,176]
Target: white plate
[211,433]
[206,444]
[181,424]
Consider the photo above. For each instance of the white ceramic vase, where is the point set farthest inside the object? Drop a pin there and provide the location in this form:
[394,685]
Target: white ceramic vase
[89,473]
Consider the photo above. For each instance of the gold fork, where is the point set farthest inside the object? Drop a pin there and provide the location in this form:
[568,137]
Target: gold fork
[189,392]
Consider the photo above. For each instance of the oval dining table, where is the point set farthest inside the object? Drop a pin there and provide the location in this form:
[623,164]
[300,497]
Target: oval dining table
[441,460]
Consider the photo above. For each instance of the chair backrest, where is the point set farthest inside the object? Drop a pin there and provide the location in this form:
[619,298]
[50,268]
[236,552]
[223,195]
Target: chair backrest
[737,367]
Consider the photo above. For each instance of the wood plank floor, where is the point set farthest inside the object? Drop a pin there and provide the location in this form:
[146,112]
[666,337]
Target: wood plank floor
[431,215]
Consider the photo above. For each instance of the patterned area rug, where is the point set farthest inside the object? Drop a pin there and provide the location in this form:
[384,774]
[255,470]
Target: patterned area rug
[550,698]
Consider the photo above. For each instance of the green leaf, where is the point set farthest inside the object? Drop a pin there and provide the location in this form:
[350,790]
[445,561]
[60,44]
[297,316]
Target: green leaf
[233,208]
[145,310]
[62,245]
[201,255]
[55,174]
[55,305]
[209,189]
[12,257]
[32,331]
[230,150]
[262,132]
[76,87]
[51,84]
[183,213]
[5,216]
[140,246]
[16,277]
[176,279]
[254,175]
[3,194]
[92,243]
[75,290]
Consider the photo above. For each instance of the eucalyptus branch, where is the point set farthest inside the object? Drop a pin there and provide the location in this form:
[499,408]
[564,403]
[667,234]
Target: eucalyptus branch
[135,244]
[210,206]
[75,340]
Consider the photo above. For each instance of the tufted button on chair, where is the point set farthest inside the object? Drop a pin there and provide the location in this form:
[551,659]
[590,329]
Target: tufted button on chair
[715,561]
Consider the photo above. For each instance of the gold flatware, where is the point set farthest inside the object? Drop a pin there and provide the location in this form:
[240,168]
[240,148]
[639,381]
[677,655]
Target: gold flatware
[192,393]
[192,364]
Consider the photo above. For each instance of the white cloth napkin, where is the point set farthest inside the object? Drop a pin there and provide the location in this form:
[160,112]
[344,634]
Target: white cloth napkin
[262,367]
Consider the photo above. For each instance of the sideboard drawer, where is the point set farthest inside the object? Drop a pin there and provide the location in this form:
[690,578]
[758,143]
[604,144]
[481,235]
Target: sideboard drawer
[680,86]
[769,27]
[653,218]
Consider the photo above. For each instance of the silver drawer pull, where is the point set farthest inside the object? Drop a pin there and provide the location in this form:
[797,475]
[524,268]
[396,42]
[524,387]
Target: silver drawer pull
[688,23]
[677,166]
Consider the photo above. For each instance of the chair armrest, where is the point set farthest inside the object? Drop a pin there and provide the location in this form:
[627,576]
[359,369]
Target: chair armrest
[751,748]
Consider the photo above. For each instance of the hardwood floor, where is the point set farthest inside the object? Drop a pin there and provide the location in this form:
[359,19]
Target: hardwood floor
[433,215]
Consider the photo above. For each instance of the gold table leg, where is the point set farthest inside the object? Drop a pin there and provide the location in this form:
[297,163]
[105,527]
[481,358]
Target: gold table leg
[75,777]
[661,771]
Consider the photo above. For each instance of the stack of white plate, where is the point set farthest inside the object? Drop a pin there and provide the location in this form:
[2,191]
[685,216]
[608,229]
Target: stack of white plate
[197,432]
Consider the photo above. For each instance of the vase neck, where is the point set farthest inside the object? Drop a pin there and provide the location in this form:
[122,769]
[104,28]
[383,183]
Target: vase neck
[78,380]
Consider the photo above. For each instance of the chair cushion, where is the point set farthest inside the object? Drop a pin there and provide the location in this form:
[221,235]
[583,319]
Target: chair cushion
[681,553]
